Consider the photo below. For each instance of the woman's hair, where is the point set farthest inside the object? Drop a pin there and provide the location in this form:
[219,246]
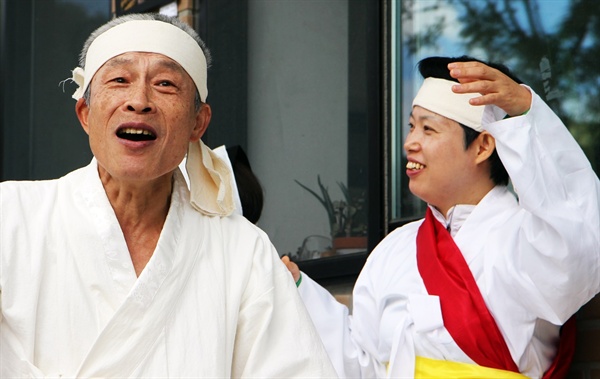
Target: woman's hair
[249,188]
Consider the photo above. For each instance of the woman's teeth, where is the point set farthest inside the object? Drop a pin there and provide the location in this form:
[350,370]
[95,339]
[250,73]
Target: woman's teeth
[414,166]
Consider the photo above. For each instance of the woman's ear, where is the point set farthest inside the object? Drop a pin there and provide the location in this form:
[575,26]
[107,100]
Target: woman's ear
[485,145]
[202,120]
[82,110]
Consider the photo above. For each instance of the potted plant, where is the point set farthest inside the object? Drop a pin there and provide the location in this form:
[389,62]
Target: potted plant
[347,219]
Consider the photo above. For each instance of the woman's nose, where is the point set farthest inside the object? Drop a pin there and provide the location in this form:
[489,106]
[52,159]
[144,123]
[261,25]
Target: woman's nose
[411,143]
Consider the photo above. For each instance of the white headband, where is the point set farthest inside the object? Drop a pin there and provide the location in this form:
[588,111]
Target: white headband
[436,95]
[149,36]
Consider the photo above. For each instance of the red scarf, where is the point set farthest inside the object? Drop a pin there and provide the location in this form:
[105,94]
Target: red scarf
[466,317]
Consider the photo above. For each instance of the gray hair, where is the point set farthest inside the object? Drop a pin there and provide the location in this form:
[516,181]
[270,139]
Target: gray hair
[149,17]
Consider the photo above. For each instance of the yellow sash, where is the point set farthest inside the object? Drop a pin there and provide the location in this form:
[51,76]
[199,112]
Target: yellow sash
[434,368]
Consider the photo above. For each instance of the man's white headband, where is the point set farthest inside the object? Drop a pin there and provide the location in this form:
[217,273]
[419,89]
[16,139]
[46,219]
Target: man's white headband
[436,96]
[148,36]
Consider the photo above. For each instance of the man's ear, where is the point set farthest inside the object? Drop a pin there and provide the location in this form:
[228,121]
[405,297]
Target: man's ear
[485,145]
[202,120]
[82,110]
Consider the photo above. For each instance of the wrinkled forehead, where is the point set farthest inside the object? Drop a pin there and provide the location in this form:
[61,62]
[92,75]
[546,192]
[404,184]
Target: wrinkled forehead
[147,36]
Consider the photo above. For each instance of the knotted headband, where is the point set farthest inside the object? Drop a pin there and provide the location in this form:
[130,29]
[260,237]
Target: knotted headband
[436,96]
[148,36]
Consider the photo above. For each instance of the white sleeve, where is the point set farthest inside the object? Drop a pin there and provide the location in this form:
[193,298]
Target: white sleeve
[559,238]
[334,325]
[275,337]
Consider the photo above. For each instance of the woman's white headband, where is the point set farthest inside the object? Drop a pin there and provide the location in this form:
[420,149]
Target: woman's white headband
[148,36]
[436,95]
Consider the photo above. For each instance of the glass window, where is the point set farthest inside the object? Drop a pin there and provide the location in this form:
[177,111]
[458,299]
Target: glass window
[40,43]
[552,46]
[304,107]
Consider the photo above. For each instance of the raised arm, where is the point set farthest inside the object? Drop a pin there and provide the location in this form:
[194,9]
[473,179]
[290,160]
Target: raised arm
[495,87]
[559,239]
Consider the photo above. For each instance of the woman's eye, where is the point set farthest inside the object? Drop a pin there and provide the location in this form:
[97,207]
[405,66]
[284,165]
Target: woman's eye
[119,80]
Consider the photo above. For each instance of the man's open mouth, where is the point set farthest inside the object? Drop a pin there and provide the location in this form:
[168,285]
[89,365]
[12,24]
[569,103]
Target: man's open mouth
[135,134]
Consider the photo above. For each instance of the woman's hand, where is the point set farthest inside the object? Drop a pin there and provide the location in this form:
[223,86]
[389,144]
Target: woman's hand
[292,267]
[495,87]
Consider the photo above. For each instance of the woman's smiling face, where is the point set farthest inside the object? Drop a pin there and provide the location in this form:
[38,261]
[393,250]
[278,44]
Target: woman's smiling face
[440,169]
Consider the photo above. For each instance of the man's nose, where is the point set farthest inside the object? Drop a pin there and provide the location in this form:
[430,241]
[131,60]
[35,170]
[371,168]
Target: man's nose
[140,101]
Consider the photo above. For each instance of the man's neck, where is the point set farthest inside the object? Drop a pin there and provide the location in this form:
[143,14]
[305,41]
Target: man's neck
[141,209]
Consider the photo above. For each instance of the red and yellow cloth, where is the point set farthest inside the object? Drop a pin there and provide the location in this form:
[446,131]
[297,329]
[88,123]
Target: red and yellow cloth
[446,274]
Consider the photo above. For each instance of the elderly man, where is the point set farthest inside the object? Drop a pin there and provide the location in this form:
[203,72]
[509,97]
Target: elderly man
[116,269]
[481,286]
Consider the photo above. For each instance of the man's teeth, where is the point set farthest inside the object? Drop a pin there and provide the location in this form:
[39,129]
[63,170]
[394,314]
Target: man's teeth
[136,131]
[414,166]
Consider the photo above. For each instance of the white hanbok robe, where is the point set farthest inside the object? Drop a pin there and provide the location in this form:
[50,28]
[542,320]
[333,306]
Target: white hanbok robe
[535,261]
[214,301]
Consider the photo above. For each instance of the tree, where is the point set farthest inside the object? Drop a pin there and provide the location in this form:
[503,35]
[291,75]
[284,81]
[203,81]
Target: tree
[559,61]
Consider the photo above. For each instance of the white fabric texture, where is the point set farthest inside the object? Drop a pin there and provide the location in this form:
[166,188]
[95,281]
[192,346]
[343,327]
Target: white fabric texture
[214,300]
[436,96]
[150,36]
[220,152]
[211,181]
[535,260]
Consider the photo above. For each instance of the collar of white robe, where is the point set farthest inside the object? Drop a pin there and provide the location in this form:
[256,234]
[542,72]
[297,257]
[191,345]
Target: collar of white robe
[148,36]
[436,96]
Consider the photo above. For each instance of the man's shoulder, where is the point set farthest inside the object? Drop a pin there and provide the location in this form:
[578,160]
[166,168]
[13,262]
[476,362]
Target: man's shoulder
[29,190]
[238,225]
[234,231]
[34,189]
